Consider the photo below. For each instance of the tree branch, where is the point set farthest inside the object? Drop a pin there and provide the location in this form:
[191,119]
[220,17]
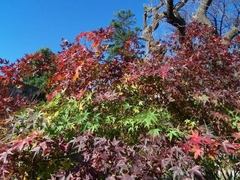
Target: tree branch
[151,44]
[234,31]
[202,11]
[179,5]
[174,18]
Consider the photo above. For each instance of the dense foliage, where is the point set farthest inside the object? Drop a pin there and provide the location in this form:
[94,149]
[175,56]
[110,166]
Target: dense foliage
[39,79]
[162,117]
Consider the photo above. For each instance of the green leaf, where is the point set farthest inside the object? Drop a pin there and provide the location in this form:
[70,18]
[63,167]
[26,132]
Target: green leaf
[110,119]
[174,132]
[149,119]
[154,132]
[126,106]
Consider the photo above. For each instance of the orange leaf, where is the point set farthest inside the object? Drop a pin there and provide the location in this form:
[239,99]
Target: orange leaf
[59,77]
[75,76]
[198,152]
[79,68]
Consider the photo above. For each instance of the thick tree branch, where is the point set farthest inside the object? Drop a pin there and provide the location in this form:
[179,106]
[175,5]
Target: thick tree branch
[201,13]
[234,31]
[152,45]
[173,17]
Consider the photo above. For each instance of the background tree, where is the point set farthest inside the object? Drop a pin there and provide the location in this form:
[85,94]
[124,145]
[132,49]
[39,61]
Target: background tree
[39,78]
[224,14]
[124,25]
[225,24]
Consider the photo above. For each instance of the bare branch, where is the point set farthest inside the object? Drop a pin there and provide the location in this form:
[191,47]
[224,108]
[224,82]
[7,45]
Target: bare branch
[179,5]
[224,14]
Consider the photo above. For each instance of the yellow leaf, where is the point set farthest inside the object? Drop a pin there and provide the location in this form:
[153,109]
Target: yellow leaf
[80,107]
[56,114]
[140,103]
[134,87]
[120,93]
[136,110]
[49,119]
[119,87]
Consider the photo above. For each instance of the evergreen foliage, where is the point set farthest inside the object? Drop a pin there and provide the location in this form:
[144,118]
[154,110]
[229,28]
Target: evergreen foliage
[40,79]
[124,25]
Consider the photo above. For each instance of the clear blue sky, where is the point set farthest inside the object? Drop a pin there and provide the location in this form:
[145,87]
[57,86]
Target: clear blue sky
[28,25]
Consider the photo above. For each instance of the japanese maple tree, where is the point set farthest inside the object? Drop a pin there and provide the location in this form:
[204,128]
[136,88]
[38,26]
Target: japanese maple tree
[173,113]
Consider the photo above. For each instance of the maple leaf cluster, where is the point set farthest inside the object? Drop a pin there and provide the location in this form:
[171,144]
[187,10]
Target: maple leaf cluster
[171,116]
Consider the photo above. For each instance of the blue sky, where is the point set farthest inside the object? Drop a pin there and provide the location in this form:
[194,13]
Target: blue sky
[28,25]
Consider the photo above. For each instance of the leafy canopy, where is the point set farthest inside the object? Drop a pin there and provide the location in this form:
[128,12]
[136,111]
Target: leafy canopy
[159,117]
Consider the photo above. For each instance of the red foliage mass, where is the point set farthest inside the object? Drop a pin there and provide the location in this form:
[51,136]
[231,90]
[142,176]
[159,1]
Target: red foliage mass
[197,79]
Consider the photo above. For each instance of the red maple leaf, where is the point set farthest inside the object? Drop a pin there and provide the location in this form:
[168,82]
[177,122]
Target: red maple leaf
[164,71]
[195,138]
[198,152]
